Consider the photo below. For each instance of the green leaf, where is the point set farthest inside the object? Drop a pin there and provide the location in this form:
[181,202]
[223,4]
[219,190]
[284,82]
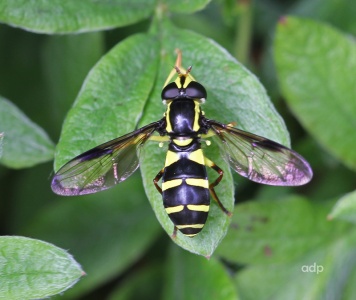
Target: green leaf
[278,231]
[112,97]
[66,16]
[33,269]
[316,67]
[24,143]
[191,277]
[234,94]
[345,208]
[185,6]
[106,231]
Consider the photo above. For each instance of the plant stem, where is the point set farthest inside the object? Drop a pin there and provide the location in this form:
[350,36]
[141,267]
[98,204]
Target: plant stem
[243,30]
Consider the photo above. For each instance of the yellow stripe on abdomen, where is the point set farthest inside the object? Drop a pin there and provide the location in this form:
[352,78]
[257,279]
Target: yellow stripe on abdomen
[198,182]
[204,208]
[190,226]
[174,209]
[171,184]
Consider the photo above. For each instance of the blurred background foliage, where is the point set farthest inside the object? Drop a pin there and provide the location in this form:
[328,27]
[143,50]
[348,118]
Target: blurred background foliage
[275,231]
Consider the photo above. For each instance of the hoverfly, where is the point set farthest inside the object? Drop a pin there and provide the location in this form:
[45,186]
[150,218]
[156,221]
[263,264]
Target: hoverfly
[185,187]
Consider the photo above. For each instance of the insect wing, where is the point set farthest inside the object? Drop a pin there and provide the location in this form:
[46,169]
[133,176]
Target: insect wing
[260,159]
[103,166]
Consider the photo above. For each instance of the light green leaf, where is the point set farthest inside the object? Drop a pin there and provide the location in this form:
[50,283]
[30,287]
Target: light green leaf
[316,67]
[185,6]
[24,143]
[66,16]
[112,97]
[106,231]
[189,277]
[234,94]
[33,269]
[345,208]
[278,230]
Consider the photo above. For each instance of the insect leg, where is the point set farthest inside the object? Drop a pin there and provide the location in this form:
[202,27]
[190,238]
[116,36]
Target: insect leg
[212,165]
[174,234]
[156,179]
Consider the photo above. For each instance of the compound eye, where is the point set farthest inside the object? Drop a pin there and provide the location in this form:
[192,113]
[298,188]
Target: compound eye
[170,91]
[195,90]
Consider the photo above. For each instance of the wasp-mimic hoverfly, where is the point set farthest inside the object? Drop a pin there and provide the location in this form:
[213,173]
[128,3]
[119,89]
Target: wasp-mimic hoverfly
[185,187]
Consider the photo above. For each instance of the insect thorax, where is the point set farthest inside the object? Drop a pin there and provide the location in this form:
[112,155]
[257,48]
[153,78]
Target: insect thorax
[183,117]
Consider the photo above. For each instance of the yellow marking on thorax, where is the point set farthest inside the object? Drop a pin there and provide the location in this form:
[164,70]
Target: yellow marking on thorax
[171,184]
[168,121]
[198,182]
[182,142]
[190,226]
[171,158]
[196,125]
[197,156]
[174,209]
[204,208]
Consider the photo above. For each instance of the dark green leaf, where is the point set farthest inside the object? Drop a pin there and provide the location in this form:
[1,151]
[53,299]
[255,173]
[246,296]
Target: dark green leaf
[33,269]
[345,208]
[112,98]
[234,94]
[66,16]
[145,284]
[339,13]
[1,141]
[317,78]
[107,231]
[24,143]
[191,277]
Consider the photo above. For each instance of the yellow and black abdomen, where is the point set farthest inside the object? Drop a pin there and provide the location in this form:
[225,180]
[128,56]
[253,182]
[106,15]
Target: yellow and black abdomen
[185,187]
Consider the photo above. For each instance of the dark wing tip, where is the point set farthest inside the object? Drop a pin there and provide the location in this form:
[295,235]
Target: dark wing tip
[59,189]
